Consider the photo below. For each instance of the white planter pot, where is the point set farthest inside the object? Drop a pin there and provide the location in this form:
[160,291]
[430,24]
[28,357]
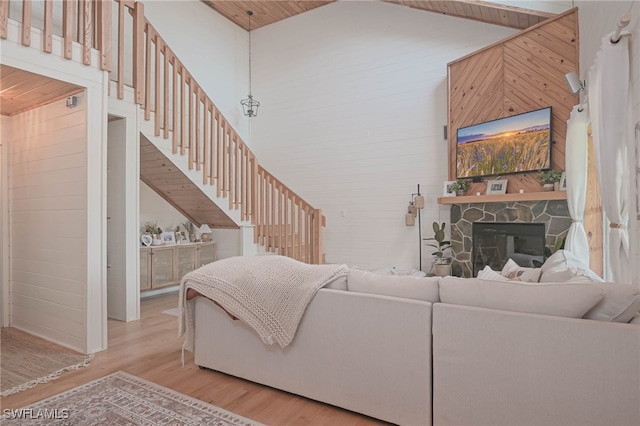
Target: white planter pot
[442,270]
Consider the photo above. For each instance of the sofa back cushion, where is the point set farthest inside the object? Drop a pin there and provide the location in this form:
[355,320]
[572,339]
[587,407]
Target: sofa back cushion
[404,286]
[621,303]
[565,300]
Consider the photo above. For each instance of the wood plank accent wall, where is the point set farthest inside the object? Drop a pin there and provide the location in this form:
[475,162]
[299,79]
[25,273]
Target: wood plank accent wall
[522,73]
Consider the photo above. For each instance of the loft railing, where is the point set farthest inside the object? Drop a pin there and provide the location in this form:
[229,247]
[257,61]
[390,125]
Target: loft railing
[181,110]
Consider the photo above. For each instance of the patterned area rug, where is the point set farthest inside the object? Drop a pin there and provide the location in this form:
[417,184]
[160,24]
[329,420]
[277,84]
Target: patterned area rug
[25,362]
[122,399]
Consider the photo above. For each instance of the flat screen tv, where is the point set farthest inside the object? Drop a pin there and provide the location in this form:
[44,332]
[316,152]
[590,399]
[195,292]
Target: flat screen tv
[516,144]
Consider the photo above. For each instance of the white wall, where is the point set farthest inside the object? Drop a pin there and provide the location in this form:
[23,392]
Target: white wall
[352,119]
[48,217]
[598,18]
[214,50]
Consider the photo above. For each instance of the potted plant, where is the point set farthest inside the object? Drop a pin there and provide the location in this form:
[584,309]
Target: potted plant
[550,179]
[442,264]
[461,186]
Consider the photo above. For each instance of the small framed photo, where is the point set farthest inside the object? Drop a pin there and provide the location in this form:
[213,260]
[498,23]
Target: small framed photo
[168,238]
[446,190]
[495,187]
[563,182]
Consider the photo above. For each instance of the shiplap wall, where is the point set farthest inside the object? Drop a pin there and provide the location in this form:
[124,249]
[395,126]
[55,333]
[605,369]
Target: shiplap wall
[48,216]
[352,119]
[214,50]
[598,18]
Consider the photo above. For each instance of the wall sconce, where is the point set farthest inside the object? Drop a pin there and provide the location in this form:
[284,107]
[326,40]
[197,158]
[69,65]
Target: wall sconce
[415,206]
[574,82]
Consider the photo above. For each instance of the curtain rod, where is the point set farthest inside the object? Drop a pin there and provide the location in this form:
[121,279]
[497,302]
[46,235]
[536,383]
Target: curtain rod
[623,21]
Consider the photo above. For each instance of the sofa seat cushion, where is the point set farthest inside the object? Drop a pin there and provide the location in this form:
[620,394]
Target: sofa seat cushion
[565,300]
[621,303]
[405,286]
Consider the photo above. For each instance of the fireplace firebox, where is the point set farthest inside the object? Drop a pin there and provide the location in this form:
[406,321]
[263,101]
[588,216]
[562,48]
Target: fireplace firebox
[496,242]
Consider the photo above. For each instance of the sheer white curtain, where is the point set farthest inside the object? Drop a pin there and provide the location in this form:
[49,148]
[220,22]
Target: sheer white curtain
[608,103]
[576,152]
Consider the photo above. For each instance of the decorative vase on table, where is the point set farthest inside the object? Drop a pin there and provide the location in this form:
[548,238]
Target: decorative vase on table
[548,187]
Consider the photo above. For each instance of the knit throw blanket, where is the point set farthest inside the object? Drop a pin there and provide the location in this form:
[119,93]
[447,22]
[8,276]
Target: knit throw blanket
[269,293]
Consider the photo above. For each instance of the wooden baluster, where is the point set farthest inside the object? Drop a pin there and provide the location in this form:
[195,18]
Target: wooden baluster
[190,126]
[196,122]
[139,25]
[309,234]
[86,31]
[317,236]
[272,230]
[293,224]
[205,142]
[225,165]
[220,146]
[300,231]
[120,81]
[156,106]
[246,186]
[47,34]
[254,190]
[104,34]
[212,151]
[26,23]
[232,169]
[174,118]
[4,17]
[236,171]
[67,28]
[263,204]
[165,116]
[285,206]
[183,108]
[240,194]
[147,81]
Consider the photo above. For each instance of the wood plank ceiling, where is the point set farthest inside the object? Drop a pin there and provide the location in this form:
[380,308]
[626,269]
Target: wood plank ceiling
[22,90]
[164,177]
[266,12]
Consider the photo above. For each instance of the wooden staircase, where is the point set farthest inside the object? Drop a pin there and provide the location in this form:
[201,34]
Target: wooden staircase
[183,113]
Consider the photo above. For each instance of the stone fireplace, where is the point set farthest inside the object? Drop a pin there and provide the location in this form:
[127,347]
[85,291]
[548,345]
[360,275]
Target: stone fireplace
[554,214]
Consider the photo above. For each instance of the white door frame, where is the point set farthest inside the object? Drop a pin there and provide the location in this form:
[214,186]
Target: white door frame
[128,111]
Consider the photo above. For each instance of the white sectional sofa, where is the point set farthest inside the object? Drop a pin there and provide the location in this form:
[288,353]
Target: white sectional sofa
[374,353]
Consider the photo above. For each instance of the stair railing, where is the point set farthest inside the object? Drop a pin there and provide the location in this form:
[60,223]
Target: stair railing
[283,221]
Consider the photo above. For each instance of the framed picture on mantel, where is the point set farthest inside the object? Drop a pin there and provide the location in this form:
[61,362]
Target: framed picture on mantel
[496,187]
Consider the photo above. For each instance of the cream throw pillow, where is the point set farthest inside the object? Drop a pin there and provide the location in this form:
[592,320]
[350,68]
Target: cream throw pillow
[565,300]
[563,266]
[405,286]
[512,270]
[489,274]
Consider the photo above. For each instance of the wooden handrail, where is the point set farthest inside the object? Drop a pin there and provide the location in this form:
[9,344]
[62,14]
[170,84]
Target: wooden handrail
[182,111]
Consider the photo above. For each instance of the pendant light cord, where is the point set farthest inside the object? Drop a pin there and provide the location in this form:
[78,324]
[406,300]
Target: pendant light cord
[249,13]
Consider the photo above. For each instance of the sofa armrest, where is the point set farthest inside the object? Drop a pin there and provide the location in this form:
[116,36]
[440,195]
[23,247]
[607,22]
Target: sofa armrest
[497,367]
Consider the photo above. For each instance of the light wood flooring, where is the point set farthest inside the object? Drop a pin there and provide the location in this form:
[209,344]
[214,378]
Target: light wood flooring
[150,349]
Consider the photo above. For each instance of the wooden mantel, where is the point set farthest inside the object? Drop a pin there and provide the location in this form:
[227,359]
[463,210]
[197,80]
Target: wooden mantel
[505,198]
